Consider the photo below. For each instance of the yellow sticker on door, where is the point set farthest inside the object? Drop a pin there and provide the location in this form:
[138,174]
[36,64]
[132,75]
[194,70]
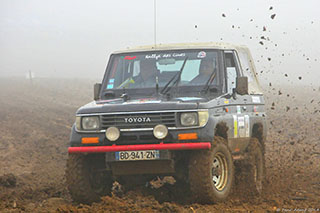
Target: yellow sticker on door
[235,126]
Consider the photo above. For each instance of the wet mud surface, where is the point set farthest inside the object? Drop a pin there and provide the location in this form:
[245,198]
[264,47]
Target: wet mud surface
[35,122]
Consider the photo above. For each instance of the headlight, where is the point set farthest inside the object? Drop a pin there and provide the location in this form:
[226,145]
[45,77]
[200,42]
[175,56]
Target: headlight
[189,119]
[112,133]
[90,123]
[203,117]
[160,131]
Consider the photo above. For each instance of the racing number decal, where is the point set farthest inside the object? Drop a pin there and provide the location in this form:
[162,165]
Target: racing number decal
[241,126]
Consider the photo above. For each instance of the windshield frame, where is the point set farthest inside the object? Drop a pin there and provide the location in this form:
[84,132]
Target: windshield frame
[113,57]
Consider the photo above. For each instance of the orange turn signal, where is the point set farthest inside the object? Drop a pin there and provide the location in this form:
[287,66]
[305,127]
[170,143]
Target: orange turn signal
[188,136]
[89,140]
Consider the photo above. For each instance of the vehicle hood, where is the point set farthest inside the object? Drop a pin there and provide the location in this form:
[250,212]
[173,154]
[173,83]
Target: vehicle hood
[140,104]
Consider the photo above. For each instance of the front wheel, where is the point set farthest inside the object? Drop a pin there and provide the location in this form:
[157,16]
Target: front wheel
[87,178]
[211,172]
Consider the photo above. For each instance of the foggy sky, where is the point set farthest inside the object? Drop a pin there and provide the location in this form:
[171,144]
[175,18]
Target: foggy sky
[75,38]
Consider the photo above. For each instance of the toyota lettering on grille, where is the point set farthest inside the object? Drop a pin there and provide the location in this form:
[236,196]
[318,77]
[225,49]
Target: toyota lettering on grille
[137,120]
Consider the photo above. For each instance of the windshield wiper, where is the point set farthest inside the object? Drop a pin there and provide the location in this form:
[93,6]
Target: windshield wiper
[207,86]
[112,95]
[166,88]
[124,95]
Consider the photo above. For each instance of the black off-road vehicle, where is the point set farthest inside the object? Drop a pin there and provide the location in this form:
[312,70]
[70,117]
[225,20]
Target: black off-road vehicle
[191,111]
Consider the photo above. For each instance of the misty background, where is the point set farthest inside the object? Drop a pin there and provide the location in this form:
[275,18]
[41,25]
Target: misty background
[74,39]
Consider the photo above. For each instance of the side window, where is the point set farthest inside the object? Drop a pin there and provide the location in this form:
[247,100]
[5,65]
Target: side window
[245,64]
[136,68]
[231,71]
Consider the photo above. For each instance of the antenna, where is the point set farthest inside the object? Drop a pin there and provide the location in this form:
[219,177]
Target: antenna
[30,76]
[155,23]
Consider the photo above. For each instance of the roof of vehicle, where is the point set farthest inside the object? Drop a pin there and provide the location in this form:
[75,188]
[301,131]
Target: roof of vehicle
[206,45]
[246,61]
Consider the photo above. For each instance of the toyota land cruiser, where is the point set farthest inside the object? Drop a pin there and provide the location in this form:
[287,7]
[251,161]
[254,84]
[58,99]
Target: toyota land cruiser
[191,111]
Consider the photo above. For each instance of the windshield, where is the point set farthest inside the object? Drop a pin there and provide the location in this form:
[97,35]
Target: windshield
[147,70]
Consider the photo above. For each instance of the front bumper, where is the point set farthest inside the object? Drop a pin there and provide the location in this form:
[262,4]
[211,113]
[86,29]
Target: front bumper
[161,146]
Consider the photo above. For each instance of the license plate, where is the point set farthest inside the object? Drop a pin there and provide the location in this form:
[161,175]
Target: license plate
[137,155]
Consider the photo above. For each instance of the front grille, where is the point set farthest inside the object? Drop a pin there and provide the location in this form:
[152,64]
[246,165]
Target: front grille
[138,120]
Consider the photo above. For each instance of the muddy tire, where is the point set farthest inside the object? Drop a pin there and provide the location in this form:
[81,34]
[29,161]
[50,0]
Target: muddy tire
[251,171]
[256,167]
[211,173]
[86,178]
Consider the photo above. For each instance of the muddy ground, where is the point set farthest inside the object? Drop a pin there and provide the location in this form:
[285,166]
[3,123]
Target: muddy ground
[35,121]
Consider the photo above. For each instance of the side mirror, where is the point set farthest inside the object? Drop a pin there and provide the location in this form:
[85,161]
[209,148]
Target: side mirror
[242,85]
[96,91]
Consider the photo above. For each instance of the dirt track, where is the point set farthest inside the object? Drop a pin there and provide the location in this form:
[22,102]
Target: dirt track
[35,123]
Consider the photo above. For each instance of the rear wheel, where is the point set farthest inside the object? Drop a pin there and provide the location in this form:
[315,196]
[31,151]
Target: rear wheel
[211,172]
[87,178]
[251,171]
[256,167]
